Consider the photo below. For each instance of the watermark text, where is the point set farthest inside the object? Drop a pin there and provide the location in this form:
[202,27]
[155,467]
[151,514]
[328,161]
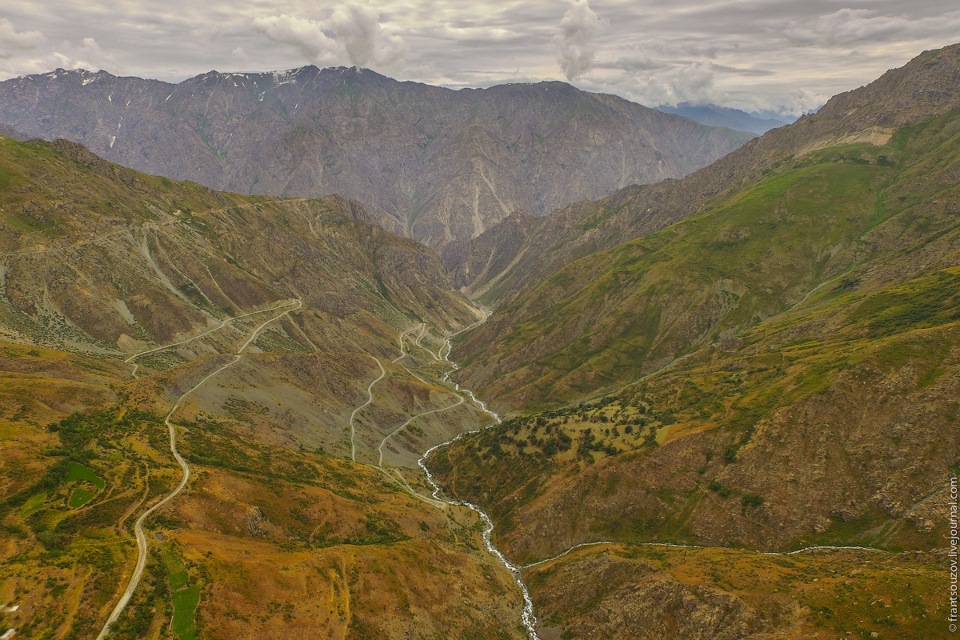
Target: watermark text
[952,607]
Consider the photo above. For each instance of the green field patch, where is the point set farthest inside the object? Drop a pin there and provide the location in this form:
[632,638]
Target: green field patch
[80,497]
[184,611]
[176,573]
[77,472]
[184,596]
[92,484]
[33,504]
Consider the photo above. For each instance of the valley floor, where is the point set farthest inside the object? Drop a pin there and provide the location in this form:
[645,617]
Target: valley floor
[334,543]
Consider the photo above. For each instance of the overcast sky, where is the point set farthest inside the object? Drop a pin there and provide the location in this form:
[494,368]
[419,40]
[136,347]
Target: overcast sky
[786,55]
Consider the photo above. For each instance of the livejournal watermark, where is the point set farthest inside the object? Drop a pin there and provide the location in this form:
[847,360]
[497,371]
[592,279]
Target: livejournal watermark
[952,558]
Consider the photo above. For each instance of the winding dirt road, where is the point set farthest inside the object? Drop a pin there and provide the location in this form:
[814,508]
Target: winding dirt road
[438,500]
[132,359]
[817,547]
[171,429]
[460,401]
[353,431]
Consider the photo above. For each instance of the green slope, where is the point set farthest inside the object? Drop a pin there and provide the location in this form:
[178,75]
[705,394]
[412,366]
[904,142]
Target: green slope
[614,316]
[122,298]
[781,371]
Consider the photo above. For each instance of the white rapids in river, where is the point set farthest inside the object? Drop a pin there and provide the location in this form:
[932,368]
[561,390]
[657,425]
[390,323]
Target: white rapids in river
[529,620]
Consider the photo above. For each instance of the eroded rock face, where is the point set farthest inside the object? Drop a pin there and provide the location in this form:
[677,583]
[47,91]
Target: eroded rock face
[100,257]
[521,251]
[607,597]
[430,163]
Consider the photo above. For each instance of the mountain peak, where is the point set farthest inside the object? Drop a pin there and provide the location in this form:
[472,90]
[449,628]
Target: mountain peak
[85,76]
[925,86]
[350,130]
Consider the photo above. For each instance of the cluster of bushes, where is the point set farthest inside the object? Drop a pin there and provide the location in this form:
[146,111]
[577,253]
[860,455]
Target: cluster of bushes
[211,443]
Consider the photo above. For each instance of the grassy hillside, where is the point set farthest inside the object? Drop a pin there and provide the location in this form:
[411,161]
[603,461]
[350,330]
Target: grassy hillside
[119,294]
[267,538]
[778,372]
[663,592]
[614,316]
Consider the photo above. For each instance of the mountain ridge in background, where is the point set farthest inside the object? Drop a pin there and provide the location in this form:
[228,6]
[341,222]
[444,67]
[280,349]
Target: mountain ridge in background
[430,163]
[716,115]
[775,371]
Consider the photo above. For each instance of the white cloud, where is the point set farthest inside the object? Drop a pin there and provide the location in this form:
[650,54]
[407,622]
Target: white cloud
[358,29]
[692,83]
[304,34]
[86,55]
[10,38]
[663,83]
[851,27]
[577,30]
[351,33]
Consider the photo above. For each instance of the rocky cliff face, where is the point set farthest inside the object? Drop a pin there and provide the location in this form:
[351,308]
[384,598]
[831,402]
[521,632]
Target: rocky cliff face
[430,163]
[923,88]
[99,257]
[776,371]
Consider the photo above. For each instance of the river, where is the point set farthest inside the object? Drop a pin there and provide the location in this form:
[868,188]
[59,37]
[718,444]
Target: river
[527,617]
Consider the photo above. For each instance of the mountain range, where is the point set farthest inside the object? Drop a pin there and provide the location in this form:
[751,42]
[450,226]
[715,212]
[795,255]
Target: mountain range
[728,397]
[775,371]
[426,162]
[737,119]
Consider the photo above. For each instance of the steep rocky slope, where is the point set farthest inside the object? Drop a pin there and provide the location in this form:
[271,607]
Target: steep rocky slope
[430,163]
[258,327]
[923,88]
[775,372]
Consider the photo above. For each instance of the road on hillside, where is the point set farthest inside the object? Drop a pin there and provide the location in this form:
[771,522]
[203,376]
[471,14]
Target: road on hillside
[138,527]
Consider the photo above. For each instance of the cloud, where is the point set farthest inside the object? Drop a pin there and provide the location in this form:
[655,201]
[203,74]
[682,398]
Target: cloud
[664,82]
[10,38]
[693,82]
[352,33]
[761,53]
[577,31]
[358,28]
[792,102]
[305,35]
[87,55]
[850,27]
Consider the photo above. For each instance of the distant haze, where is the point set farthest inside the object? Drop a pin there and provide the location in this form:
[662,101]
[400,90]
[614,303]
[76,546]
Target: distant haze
[784,57]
